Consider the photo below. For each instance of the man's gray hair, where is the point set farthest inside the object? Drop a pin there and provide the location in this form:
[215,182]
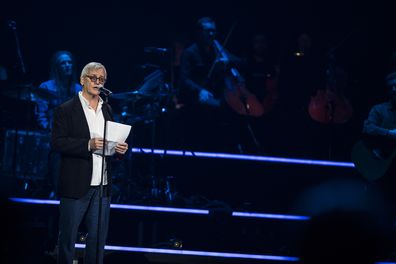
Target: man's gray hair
[92,66]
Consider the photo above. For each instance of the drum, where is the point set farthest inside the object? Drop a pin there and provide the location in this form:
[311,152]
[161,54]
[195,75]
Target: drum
[25,154]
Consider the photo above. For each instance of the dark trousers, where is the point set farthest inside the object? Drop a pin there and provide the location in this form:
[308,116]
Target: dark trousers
[72,213]
[53,172]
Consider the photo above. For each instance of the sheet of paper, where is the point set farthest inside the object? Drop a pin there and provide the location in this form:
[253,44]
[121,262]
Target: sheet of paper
[115,133]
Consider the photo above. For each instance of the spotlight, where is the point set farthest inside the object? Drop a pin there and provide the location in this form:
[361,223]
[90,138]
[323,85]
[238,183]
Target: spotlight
[82,237]
[176,243]
[299,54]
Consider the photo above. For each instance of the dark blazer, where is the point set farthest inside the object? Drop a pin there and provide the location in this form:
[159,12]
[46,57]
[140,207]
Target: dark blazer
[70,136]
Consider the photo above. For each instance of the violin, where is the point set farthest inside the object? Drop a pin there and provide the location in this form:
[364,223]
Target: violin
[237,96]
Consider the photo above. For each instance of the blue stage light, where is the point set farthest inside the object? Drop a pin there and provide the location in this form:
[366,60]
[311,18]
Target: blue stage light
[197,253]
[169,209]
[271,216]
[243,157]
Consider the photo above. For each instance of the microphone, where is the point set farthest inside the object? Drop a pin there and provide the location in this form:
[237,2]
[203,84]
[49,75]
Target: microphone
[105,91]
[155,50]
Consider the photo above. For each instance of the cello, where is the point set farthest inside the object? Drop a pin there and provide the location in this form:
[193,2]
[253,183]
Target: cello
[237,96]
[330,106]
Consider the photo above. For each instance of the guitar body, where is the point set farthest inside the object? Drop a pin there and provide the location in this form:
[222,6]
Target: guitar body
[369,162]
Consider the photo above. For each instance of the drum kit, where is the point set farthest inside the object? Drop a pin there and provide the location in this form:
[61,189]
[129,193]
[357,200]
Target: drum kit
[147,102]
[21,135]
[24,148]
[143,108]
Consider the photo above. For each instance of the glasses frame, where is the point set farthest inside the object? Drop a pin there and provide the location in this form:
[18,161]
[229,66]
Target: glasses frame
[94,79]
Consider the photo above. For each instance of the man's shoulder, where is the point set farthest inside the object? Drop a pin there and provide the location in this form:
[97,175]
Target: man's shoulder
[70,103]
[382,106]
[49,85]
[193,48]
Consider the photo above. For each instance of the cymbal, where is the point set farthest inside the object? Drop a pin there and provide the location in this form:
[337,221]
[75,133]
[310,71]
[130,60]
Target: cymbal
[45,94]
[25,92]
[22,92]
[128,96]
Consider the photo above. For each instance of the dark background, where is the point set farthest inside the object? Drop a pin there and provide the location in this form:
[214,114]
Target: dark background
[115,32]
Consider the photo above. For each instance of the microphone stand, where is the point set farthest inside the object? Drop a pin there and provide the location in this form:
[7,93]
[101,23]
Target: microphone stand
[256,143]
[106,95]
[22,74]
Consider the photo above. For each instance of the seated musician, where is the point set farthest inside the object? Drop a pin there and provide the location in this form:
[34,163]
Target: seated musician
[197,61]
[61,86]
[379,130]
[202,84]
[262,73]
[381,121]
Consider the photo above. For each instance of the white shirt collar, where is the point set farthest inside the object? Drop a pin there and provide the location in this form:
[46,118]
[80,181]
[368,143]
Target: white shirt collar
[86,102]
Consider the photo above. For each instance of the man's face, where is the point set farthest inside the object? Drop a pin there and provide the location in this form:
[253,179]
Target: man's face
[65,64]
[304,42]
[260,45]
[93,81]
[208,32]
[392,90]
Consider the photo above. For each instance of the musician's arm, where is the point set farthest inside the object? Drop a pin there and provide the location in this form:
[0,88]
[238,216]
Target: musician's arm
[373,124]
[191,90]
[186,72]
[237,61]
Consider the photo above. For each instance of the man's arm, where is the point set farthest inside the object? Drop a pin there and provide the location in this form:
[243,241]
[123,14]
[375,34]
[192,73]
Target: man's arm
[61,140]
[186,74]
[372,125]
[192,90]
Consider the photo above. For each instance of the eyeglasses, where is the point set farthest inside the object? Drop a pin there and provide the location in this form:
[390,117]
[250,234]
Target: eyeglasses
[94,79]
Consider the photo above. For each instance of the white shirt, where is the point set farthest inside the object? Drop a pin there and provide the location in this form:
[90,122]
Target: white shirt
[95,121]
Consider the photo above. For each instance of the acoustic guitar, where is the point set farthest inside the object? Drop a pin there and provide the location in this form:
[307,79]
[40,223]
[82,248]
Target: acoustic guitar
[371,162]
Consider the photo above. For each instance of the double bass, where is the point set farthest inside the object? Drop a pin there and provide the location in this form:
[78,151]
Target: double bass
[237,96]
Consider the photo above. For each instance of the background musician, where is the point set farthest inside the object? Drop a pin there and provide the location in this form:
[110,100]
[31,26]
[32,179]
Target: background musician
[208,120]
[61,86]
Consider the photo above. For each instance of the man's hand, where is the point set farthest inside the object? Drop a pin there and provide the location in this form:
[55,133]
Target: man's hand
[95,144]
[392,133]
[205,96]
[121,148]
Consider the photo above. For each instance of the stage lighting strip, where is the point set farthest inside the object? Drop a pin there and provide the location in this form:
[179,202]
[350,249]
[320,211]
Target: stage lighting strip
[170,209]
[186,252]
[205,253]
[243,157]
[197,253]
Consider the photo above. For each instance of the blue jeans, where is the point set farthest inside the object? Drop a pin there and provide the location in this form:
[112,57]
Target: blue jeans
[72,212]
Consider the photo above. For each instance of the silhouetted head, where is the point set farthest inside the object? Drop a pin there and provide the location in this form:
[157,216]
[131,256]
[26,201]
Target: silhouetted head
[341,237]
[349,223]
[304,42]
[260,44]
[390,81]
[62,65]
[206,30]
